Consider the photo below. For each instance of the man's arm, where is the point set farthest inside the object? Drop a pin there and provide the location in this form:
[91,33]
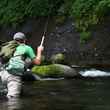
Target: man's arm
[37,59]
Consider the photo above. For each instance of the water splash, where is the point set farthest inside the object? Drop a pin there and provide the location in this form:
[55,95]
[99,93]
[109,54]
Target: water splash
[94,73]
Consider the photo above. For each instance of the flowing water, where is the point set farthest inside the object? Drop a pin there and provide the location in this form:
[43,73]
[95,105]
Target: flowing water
[63,94]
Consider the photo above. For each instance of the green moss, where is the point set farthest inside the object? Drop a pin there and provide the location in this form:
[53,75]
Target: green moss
[48,70]
[58,58]
[84,36]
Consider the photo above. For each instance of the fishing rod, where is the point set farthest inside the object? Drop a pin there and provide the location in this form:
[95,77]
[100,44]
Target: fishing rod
[46,24]
[52,6]
[44,33]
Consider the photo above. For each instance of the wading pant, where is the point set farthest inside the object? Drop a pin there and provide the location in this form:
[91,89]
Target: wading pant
[12,82]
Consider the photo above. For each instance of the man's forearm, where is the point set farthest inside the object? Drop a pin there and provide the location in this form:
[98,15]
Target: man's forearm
[37,60]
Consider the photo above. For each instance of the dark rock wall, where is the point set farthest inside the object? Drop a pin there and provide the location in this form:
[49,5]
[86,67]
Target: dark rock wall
[65,39]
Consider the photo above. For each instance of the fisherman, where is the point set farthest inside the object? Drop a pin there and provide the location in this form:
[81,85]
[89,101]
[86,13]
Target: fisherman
[12,74]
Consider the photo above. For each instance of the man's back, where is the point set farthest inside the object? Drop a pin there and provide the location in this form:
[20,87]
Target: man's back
[17,62]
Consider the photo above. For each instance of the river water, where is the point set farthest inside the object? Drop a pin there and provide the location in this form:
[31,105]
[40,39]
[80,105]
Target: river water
[86,93]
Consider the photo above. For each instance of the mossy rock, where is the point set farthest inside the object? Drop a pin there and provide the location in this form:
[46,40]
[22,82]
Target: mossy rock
[54,70]
[48,71]
[58,58]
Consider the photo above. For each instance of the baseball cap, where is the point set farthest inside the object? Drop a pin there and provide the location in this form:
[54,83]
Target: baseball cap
[19,35]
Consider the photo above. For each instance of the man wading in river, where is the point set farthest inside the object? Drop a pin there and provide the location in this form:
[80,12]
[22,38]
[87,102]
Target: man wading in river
[13,73]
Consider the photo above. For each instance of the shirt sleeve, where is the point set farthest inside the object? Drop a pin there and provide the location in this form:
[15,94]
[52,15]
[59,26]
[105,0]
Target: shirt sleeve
[30,52]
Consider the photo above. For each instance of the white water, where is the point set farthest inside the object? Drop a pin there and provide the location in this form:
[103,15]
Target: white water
[94,73]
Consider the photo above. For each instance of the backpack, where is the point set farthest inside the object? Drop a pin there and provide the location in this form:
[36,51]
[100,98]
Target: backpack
[7,49]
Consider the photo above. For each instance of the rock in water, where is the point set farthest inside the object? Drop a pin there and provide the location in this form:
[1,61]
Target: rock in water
[55,70]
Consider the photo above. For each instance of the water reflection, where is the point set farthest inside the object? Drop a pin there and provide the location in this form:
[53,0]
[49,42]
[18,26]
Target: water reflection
[10,104]
[13,104]
[72,94]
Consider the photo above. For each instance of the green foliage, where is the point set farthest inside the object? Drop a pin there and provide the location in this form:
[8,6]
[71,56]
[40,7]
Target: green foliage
[84,36]
[89,12]
[85,12]
[65,7]
[102,8]
[14,12]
